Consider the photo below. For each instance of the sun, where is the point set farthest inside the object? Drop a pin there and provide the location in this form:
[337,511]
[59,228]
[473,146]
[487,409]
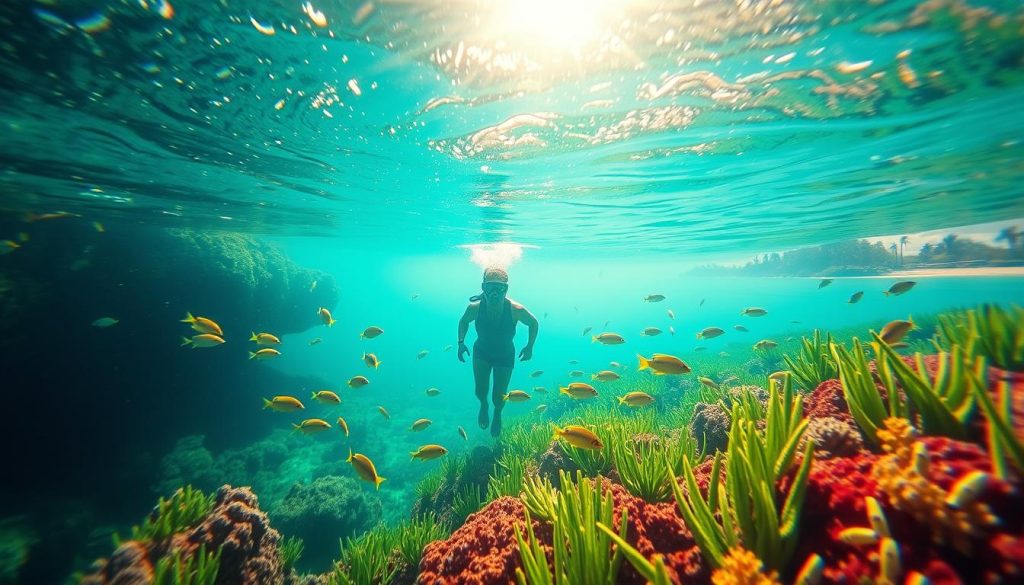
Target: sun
[558,25]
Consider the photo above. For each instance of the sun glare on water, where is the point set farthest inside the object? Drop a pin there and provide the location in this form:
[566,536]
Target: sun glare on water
[561,25]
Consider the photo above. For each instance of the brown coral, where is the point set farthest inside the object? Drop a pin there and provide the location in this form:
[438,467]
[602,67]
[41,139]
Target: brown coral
[832,437]
[710,427]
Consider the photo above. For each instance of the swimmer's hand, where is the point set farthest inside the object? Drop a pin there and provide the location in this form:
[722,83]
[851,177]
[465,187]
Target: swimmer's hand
[463,348]
[526,353]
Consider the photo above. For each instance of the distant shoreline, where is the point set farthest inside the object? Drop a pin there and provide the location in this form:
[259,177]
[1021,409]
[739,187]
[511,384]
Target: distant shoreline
[1011,271]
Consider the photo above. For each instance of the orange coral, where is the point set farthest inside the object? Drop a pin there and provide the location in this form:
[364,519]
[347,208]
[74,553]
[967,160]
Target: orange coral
[903,474]
[742,567]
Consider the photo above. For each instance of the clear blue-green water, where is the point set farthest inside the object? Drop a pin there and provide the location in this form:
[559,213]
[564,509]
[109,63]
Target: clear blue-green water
[382,154]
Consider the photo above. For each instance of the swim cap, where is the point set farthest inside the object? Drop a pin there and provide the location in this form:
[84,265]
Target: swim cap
[495,274]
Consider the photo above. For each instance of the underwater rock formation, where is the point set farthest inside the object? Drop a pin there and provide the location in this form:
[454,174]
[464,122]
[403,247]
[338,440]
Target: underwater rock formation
[710,427]
[320,513]
[832,437]
[476,472]
[554,459]
[235,525]
[827,401]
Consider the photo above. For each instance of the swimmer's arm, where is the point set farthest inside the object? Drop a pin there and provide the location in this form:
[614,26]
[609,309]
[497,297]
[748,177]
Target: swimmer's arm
[471,312]
[527,318]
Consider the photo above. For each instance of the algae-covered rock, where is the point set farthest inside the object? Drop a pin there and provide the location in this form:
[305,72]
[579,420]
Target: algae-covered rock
[323,511]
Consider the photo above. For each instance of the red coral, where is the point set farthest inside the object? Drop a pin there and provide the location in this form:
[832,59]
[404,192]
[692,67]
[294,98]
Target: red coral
[827,401]
[835,496]
[482,551]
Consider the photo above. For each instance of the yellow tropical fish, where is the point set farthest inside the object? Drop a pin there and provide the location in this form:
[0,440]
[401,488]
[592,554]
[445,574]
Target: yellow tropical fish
[967,489]
[605,376]
[433,391]
[371,332]
[654,298]
[576,373]
[8,246]
[540,389]
[311,425]
[326,397]
[859,536]
[343,425]
[358,381]
[371,360]
[283,404]
[900,288]
[779,376]
[765,345]
[663,364]
[895,330]
[264,339]
[811,571]
[420,424]
[203,325]
[202,340]
[384,412]
[754,312]
[578,390]
[710,332]
[462,433]
[579,437]
[636,399]
[650,332]
[364,468]
[517,396]
[428,452]
[608,338]
[536,373]
[264,354]
[325,316]
[708,382]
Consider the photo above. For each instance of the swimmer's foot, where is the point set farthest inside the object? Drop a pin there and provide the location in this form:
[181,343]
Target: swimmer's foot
[496,423]
[483,419]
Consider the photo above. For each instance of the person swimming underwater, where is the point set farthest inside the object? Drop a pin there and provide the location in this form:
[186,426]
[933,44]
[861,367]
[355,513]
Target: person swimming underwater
[496,318]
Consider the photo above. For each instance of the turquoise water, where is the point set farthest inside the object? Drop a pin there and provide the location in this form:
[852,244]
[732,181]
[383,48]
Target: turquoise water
[600,151]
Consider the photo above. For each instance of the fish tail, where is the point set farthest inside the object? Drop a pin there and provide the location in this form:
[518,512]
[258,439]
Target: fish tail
[331,324]
[644,362]
[622,400]
[349,455]
[593,338]
[362,336]
[886,293]
[254,338]
[295,427]
[188,318]
[564,390]
[252,355]
[185,341]
[313,397]
[267,404]
[413,455]
[698,336]
[557,432]
[379,481]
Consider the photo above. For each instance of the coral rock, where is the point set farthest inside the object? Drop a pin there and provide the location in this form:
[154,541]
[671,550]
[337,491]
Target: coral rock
[554,460]
[832,437]
[827,401]
[129,565]
[710,427]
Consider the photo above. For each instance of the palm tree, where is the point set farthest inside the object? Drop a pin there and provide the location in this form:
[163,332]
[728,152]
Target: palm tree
[892,249]
[950,246]
[1010,235]
[904,240]
[926,252]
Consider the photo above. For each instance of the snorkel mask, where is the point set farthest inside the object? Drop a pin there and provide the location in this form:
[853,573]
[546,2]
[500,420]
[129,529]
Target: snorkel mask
[494,285]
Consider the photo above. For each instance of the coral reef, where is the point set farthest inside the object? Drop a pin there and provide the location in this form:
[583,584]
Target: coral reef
[323,511]
[827,401]
[832,437]
[710,427]
[235,526]
[553,460]
[742,567]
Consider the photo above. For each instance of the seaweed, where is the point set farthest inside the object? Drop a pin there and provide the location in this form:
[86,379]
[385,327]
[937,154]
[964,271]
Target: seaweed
[198,569]
[185,508]
[814,364]
[989,331]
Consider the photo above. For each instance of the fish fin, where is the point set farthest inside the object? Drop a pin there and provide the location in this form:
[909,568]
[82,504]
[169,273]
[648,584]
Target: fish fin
[564,390]
[254,337]
[698,336]
[188,318]
[362,336]
[557,432]
[295,427]
[349,455]
[267,404]
[622,400]
[252,354]
[185,341]
[413,453]
[886,293]
[644,362]
[313,397]
[379,481]
[593,338]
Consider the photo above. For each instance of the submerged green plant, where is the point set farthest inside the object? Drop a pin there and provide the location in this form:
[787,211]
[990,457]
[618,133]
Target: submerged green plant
[582,553]
[415,535]
[814,364]
[184,509]
[290,552]
[1004,446]
[639,461]
[468,501]
[198,569]
[656,573]
[528,440]
[507,479]
[366,560]
[990,331]
[743,510]
[540,498]
[944,404]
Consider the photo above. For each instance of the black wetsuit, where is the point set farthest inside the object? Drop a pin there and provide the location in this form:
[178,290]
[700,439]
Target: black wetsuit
[494,337]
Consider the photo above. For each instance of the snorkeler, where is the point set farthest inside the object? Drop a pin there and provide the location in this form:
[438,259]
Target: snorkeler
[496,318]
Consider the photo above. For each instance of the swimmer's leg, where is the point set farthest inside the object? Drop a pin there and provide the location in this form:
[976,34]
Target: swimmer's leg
[502,375]
[481,376]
